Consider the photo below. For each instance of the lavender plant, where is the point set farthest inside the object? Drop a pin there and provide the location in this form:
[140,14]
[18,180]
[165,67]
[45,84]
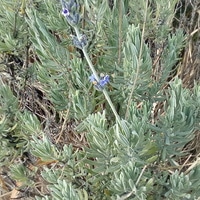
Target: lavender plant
[96,108]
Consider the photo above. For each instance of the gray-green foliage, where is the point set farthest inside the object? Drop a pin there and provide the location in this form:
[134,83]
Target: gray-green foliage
[137,159]
[177,125]
[13,29]
[137,63]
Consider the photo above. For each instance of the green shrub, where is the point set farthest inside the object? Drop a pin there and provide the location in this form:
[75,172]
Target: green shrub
[92,105]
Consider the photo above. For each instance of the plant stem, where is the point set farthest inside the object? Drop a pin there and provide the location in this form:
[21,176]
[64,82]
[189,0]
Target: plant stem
[97,78]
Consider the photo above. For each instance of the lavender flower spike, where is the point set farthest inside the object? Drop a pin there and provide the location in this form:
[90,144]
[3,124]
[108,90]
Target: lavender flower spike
[102,82]
[71,11]
[81,42]
[92,78]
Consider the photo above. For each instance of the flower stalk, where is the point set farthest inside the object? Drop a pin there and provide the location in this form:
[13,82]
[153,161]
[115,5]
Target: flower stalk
[97,78]
[70,11]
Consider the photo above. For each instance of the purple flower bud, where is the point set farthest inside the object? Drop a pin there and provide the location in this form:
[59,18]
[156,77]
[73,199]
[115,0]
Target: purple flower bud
[71,11]
[80,43]
[102,82]
[65,12]
[92,78]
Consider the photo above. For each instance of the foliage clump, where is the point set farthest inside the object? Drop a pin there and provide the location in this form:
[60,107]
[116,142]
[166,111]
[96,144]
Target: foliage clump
[99,99]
